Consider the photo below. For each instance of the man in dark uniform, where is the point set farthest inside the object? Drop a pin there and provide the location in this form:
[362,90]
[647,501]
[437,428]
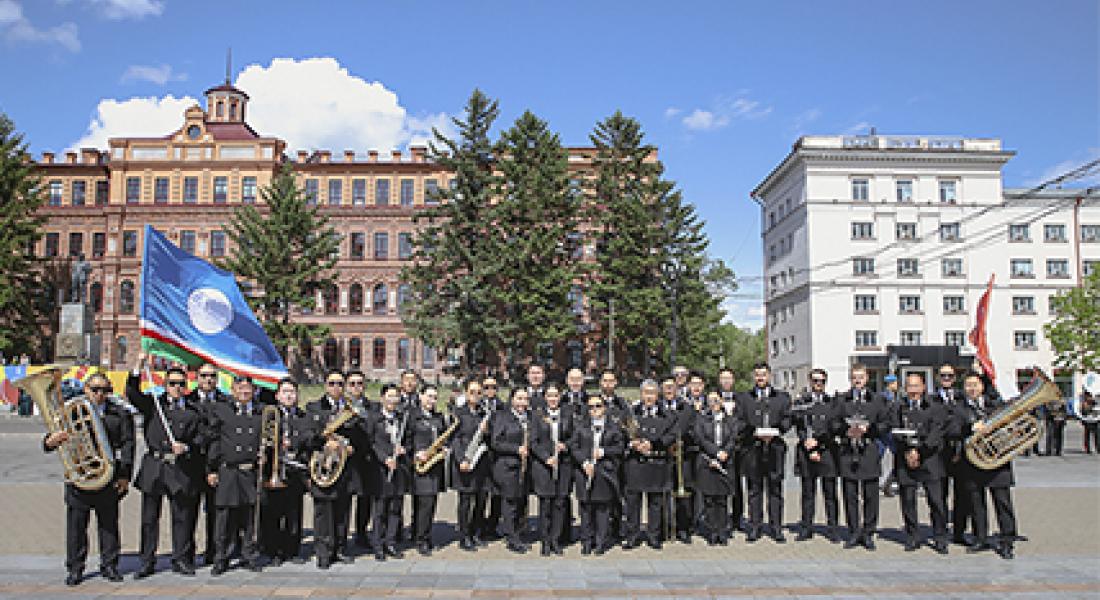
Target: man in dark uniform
[204,397]
[511,444]
[491,524]
[171,466]
[472,466]
[864,417]
[355,387]
[596,447]
[978,408]
[919,460]
[574,400]
[281,508]
[686,409]
[391,441]
[651,432]
[409,397]
[615,409]
[427,426]
[79,503]
[716,468]
[231,467]
[766,415]
[819,420]
[536,386]
[953,462]
[551,469]
[729,405]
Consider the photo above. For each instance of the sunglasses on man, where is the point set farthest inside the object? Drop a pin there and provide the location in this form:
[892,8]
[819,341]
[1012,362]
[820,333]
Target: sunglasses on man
[100,389]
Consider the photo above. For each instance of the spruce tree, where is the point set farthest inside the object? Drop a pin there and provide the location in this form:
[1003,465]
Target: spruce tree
[285,248]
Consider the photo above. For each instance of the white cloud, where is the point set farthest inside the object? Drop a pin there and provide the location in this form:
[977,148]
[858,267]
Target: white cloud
[722,113]
[672,111]
[159,75]
[16,28]
[128,9]
[705,120]
[135,117]
[858,129]
[804,118]
[1066,166]
[744,312]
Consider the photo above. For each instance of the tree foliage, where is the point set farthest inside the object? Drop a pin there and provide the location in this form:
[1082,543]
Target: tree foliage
[1074,331]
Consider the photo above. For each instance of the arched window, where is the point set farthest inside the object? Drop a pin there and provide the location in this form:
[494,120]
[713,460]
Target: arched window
[355,352]
[404,293]
[355,299]
[332,300]
[220,110]
[96,296]
[331,355]
[379,299]
[379,353]
[233,110]
[120,349]
[126,297]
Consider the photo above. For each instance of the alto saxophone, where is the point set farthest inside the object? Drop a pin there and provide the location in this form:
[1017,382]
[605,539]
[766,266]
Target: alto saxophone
[436,452]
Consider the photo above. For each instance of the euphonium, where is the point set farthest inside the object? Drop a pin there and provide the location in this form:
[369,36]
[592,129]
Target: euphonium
[325,466]
[86,455]
[436,452]
[1013,429]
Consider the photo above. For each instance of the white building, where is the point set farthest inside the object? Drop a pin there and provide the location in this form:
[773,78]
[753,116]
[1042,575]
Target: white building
[879,247]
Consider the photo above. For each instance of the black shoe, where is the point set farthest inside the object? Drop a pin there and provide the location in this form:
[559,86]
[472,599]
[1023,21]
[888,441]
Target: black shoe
[1005,551]
[380,555]
[804,534]
[911,545]
[600,550]
[254,566]
[833,535]
[517,547]
[467,544]
[586,548]
[146,570]
[393,552]
[977,547]
[940,547]
[655,544]
[753,535]
[183,568]
[556,549]
[219,568]
[208,558]
[960,540]
[111,574]
[324,564]
[341,557]
[869,543]
[73,578]
[483,541]
[544,550]
[778,536]
[630,543]
[684,537]
[853,541]
[424,549]
[298,560]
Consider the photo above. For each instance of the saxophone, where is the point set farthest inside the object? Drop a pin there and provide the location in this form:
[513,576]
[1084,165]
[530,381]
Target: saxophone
[436,452]
[1013,429]
[325,467]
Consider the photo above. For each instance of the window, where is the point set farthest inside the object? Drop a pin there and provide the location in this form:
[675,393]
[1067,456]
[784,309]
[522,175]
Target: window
[1023,305]
[129,243]
[379,299]
[120,348]
[950,232]
[403,353]
[910,338]
[431,191]
[404,246]
[358,192]
[53,244]
[1021,267]
[427,357]
[908,267]
[860,189]
[99,244]
[101,191]
[1054,233]
[909,304]
[379,354]
[1024,340]
[355,299]
[126,297]
[866,303]
[863,231]
[863,266]
[404,292]
[906,231]
[775,347]
[313,188]
[947,192]
[954,338]
[904,190]
[382,192]
[160,190]
[221,189]
[217,243]
[331,299]
[866,339]
[952,267]
[1090,233]
[190,190]
[96,296]
[1088,267]
[133,190]
[56,192]
[355,352]
[953,305]
[187,241]
[248,190]
[771,219]
[1057,268]
[335,192]
[406,193]
[381,245]
[1019,233]
[76,244]
[80,192]
[358,245]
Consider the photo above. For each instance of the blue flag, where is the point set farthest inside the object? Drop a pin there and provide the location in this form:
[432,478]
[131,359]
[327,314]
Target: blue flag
[193,312]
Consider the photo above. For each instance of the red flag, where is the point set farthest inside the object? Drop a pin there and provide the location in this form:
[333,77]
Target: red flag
[977,335]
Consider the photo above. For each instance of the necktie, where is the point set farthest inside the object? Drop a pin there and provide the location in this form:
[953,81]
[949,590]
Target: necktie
[718,431]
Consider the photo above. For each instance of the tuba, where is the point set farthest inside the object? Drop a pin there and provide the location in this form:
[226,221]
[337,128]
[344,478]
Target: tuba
[325,467]
[436,452]
[86,456]
[1013,429]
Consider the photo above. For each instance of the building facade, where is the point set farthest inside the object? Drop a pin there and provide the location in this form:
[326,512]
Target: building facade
[188,183]
[877,250]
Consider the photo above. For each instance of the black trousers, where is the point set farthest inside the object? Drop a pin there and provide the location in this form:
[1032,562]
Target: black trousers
[1056,434]
[363,506]
[716,515]
[774,487]
[1092,437]
[423,517]
[961,511]
[234,521]
[281,522]
[78,508]
[183,526]
[513,517]
[595,523]
[809,497]
[206,498]
[471,513]
[1002,505]
[684,511]
[552,519]
[387,519]
[655,515]
[491,524]
[853,489]
[934,495]
[737,502]
[330,518]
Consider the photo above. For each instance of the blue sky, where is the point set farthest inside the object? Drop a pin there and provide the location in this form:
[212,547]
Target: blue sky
[723,88]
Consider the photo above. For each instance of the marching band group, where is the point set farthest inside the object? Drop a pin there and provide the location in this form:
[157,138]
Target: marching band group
[695,459]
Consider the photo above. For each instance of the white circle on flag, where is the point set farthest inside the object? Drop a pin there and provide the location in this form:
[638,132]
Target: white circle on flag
[209,310]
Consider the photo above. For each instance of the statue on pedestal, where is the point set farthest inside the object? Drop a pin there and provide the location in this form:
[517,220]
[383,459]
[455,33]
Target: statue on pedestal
[79,279]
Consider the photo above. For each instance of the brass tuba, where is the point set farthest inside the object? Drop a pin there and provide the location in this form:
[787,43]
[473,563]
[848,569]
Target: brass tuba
[1013,429]
[325,467]
[86,455]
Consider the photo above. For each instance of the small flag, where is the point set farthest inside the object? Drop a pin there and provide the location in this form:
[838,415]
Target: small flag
[977,335]
[193,312]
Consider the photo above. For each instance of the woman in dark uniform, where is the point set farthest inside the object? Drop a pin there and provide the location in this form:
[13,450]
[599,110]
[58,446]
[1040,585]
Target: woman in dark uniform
[715,469]
[551,470]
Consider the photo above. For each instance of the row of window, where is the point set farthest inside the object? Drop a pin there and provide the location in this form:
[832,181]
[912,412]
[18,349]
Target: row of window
[52,247]
[867,304]
[378,353]
[903,190]
[1057,268]
[190,190]
[868,339]
[1052,232]
[382,193]
[379,299]
[357,245]
[78,192]
[952,232]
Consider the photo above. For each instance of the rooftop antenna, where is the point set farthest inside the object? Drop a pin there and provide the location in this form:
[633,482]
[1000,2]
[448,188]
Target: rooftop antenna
[228,65]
